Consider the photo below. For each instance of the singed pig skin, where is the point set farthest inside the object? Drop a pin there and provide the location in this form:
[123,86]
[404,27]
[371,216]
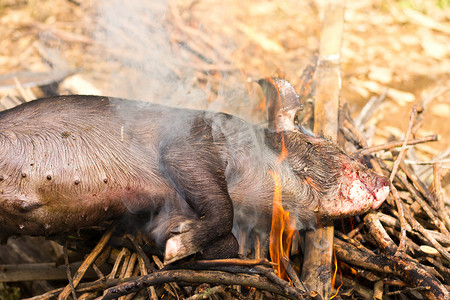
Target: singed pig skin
[70,162]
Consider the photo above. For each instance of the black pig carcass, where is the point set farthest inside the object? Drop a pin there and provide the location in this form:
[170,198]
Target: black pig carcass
[70,162]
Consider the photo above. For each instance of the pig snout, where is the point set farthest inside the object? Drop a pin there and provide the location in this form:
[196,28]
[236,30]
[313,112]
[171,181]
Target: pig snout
[378,186]
[360,190]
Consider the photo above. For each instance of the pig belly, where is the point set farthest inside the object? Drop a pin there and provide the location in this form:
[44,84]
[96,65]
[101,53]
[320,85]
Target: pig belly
[47,214]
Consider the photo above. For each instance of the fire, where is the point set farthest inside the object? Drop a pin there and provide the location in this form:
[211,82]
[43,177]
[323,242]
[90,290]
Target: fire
[284,151]
[333,280]
[282,231]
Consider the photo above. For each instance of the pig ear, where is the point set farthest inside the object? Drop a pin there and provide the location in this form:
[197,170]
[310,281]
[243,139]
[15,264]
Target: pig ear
[282,103]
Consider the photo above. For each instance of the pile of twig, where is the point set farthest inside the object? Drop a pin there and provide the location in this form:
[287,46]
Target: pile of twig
[134,274]
[401,249]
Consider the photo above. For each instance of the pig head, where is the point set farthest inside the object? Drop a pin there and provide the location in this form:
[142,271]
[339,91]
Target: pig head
[319,181]
[70,162]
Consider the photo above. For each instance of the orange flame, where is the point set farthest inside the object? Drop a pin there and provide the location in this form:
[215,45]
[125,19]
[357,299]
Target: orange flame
[282,231]
[333,280]
[284,152]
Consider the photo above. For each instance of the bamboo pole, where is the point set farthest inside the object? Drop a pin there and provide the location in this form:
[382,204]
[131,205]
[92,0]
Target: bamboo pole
[316,271]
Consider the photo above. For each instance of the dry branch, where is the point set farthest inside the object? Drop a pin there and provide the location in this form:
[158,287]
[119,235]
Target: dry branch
[401,216]
[87,262]
[190,276]
[69,274]
[414,205]
[403,148]
[37,271]
[442,212]
[410,271]
[391,145]
[416,225]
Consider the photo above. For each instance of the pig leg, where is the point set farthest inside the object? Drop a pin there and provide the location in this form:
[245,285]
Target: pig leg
[201,183]
[227,247]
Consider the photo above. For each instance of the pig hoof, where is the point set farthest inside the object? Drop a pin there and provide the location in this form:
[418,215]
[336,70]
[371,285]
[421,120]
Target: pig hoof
[176,249]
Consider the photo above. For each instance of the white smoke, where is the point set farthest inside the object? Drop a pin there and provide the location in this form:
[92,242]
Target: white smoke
[135,37]
[148,65]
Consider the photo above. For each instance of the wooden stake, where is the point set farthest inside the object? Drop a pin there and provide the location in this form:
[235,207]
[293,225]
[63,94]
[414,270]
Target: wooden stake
[316,271]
